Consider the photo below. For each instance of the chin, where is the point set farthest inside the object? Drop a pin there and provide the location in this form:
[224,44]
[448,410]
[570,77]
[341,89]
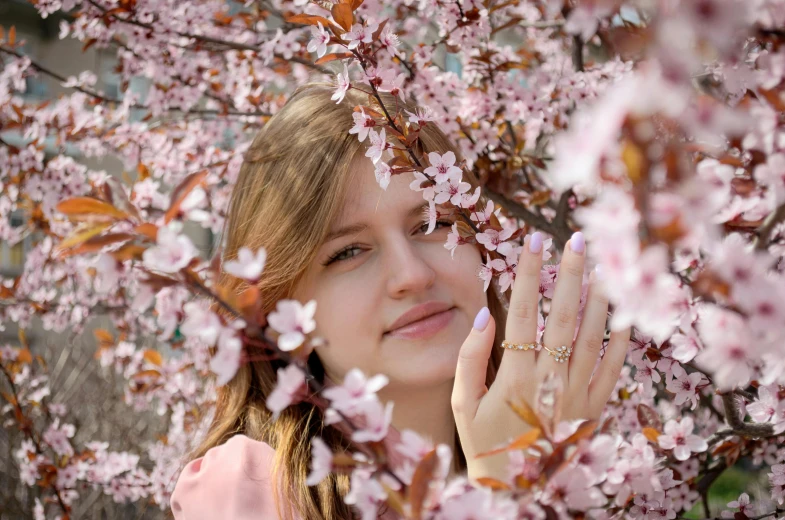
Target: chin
[423,363]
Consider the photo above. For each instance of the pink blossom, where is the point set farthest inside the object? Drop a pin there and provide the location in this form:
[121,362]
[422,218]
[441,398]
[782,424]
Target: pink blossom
[743,505]
[597,456]
[288,389]
[678,437]
[378,145]
[421,115]
[442,167]
[359,34]
[377,420]
[487,269]
[344,84]
[573,487]
[492,238]
[321,461]
[365,493]
[172,252]
[293,321]
[764,409]
[201,322]
[452,190]
[248,266]
[354,391]
[777,481]
[362,124]
[389,40]
[383,172]
[319,40]
[226,360]
[685,388]
[686,347]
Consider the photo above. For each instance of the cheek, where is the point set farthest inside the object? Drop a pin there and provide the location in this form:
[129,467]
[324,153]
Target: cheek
[463,267]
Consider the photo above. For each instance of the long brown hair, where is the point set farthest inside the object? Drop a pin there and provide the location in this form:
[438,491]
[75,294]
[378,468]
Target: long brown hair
[290,187]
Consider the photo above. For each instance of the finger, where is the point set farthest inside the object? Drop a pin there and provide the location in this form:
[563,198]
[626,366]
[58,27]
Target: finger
[590,337]
[521,326]
[469,385]
[560,325]
[604,381]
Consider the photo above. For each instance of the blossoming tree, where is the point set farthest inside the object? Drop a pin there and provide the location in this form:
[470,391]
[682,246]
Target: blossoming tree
[656,127]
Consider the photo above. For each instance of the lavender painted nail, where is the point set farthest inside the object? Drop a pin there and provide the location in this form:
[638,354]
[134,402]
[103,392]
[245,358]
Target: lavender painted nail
[577,242]
[535,242]
[482,318]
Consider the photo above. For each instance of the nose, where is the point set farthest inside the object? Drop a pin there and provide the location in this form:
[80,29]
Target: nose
[409,271]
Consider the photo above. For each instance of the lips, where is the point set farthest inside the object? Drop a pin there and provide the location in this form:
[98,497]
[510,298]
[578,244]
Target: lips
[419,313]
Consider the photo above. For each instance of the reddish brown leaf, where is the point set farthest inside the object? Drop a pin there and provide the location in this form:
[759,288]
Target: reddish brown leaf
[651,434]
[149,230]
[181,192]
[521,443]
[147,373]
[525,412]
[343,15]
[584,431]
[79,206]
[492,483]
[81,235]
[129,252]
[104,336]
[24,356]
[334,56]
[648,418]
[420,481]
[154,357]
[395,500]
[309,19]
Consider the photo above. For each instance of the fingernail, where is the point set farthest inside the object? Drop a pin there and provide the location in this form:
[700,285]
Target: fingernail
[598,274]
[535,242]
[577,242]
[481,320]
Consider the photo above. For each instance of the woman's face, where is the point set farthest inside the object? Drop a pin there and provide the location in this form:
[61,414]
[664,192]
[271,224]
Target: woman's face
[387,266]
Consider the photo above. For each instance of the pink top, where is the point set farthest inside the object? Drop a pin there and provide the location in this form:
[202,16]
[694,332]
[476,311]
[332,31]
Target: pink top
[232,480]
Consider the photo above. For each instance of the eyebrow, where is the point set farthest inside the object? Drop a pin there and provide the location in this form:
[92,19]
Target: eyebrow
[356,228]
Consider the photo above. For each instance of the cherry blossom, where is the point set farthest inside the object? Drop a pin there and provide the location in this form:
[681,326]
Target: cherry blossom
[293,321]
[442,167]
[354,391]
[685,388]
[383,173]
[321,461]
[319,40]
[249,265]
[172,252]
[362,124]
[679,437]
[378,145]
[288,387]
[344,84]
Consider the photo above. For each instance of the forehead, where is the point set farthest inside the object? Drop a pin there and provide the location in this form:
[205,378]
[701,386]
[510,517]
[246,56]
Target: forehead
[365,200]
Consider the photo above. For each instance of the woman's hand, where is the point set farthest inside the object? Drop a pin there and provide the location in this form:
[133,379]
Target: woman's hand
[483,417]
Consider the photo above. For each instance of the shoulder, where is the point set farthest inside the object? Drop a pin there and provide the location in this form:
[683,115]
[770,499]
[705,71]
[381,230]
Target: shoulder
[233,480]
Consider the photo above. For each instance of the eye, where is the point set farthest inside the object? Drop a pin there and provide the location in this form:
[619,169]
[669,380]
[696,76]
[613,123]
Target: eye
[439,224]
[343,254]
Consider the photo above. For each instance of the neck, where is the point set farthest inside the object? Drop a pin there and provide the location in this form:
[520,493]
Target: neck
[425,410]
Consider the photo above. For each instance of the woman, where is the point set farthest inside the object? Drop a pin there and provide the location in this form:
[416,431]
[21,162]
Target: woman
[391,300]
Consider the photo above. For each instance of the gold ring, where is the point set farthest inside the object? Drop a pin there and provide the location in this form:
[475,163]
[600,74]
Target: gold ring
[561,354]
[518,346]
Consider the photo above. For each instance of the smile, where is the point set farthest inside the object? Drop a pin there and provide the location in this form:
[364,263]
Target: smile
[424,328]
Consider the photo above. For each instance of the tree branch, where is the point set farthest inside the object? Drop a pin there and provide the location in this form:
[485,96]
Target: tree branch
[763,237]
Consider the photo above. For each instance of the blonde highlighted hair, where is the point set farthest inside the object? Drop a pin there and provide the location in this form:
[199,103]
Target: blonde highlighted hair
[290,188]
